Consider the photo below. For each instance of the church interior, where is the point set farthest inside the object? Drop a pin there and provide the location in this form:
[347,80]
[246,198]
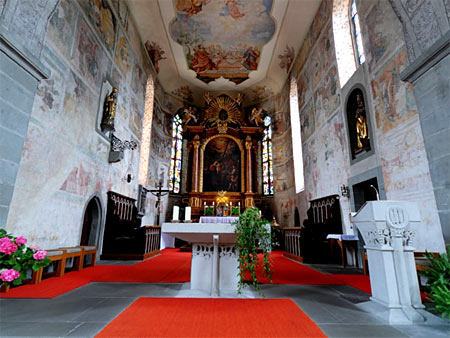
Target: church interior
[135,132]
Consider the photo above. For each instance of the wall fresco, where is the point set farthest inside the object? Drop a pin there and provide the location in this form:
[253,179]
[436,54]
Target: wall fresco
[281,122]
[307,122]
[393,99]
[284,177]
[102,18]
[326,97]
[222,38]
[88,56]
[384,33]
[322,56]
[321,18]
[184,92]
[61,26]
[282,149]
[287,58]
[123,57]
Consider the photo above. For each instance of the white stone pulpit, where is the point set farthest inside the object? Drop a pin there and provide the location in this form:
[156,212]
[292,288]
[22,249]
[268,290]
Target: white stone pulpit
[215,265]
[388,229]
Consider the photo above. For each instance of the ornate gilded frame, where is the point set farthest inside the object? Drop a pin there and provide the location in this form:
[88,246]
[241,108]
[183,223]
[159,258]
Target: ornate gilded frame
[241,148]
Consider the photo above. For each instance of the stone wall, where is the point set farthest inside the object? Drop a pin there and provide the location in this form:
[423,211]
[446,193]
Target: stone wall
[89,46]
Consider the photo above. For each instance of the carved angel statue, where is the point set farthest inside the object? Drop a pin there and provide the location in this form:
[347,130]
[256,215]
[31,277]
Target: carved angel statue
[207,97]
[109,111]
[188,115]
[257,116]
[239,98]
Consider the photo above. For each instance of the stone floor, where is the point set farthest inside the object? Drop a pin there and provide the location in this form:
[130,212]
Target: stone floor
[85,311]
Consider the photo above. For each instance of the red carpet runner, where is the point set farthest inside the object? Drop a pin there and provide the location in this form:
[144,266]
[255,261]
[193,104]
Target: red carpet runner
[173,266]
[200,317]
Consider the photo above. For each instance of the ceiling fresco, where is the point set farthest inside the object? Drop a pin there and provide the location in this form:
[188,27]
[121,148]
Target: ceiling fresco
[222,38]
[245,46]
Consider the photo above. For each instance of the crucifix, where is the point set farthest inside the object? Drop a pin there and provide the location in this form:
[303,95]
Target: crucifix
[159,192]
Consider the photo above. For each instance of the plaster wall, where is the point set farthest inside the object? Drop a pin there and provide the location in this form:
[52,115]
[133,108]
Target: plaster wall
[64,159]
[397,135]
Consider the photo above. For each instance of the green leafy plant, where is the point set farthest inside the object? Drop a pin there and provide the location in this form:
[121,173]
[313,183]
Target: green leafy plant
[209,211]
[253,236]
[235,211]
[438,275]
[16,259]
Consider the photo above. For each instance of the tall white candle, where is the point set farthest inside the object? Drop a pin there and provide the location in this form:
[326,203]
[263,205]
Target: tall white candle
[187,214]
[231,203]
[176,212]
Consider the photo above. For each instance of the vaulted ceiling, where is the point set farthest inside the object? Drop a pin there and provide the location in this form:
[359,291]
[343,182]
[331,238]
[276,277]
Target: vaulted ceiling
[242,46]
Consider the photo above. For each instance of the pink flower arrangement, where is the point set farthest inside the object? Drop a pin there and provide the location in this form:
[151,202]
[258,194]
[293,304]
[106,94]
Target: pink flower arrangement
[17,260]
[40,254]
[9,275]
[21,240]
[7,246]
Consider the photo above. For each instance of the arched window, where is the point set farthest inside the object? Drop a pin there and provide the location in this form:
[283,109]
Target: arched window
[267,157]
[357,34]
[146,132]
[175,160]
[296,137]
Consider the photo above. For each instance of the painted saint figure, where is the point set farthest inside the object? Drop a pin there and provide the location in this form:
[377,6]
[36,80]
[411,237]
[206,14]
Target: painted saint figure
[109,111]
[202,60]
[251,58]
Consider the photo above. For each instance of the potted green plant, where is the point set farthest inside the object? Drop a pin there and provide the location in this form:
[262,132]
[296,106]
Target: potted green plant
[253,236]
[17,260]
[438,274]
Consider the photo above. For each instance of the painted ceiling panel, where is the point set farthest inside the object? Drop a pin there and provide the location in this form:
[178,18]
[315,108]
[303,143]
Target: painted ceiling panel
[223,45]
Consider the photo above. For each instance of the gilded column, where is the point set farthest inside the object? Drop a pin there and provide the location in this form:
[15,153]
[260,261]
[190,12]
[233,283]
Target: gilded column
[195,163]
[248,147]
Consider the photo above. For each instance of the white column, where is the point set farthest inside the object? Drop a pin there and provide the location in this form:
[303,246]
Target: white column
[215,267]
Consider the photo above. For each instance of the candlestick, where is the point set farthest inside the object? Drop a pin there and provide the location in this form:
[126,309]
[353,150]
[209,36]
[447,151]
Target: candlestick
[187,214]
[175,213]
[231,203]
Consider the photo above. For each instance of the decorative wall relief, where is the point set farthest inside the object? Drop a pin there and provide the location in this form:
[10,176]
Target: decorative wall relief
[155,52]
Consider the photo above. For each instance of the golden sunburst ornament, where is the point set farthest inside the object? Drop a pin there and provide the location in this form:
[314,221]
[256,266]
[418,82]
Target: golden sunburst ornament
[223,109]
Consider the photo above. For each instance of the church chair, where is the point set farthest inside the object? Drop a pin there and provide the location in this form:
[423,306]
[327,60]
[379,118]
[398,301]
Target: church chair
[74,258]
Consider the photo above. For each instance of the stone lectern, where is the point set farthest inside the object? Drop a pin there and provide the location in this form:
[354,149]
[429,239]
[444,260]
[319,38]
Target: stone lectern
[388,229]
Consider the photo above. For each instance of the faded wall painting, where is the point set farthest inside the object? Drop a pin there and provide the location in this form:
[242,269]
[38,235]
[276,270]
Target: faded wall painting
[222,38]
[222,165]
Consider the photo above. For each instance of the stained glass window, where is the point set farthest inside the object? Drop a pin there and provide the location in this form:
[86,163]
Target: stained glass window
[267,157]
[357,34]
[175,159]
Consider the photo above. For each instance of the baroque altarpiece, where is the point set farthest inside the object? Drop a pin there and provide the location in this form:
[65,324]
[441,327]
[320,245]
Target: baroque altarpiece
[222,145]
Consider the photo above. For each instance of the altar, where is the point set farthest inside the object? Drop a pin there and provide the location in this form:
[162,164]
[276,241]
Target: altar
[214,266]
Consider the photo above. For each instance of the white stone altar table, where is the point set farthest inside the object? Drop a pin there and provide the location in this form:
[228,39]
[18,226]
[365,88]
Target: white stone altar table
[218,219]
[345,242]
[214,266]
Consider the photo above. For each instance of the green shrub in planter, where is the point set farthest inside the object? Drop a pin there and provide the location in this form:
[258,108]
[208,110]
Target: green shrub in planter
[439,282]
[253,236]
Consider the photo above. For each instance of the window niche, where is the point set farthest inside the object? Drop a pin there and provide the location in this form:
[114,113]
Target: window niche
[358,125]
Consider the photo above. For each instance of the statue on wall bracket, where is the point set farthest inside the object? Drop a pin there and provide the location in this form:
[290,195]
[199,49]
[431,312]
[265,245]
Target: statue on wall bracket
[109,111]
[362,131]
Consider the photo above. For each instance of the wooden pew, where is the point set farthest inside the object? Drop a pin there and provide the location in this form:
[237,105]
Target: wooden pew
[76,254]
[88,250]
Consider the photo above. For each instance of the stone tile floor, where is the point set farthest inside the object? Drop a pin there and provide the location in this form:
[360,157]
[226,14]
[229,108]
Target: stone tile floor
[85,311]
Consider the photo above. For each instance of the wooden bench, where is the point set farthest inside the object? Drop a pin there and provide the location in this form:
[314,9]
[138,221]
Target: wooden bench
[74,257]
[88,250]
